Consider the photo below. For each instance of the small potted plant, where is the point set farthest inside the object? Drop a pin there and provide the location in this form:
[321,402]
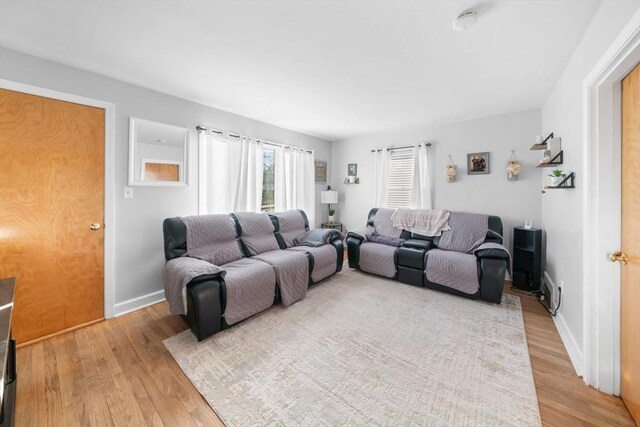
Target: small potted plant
[332,212]
[557,176]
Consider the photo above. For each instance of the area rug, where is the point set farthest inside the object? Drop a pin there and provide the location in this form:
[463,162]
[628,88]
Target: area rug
[363,350]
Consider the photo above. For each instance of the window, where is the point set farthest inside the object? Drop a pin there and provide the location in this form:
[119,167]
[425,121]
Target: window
[268,179]
[400,178]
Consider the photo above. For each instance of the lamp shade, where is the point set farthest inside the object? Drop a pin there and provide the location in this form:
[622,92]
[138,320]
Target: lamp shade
[329,196]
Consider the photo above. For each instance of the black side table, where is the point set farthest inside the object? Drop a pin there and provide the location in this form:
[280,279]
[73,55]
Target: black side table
[527,258]
[334,225]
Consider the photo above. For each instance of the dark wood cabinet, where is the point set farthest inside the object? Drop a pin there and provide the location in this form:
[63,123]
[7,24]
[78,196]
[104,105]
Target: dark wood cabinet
[527,258]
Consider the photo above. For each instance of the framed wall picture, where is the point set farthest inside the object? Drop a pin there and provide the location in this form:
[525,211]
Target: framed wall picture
[478,163]
[321,172]
[352,169]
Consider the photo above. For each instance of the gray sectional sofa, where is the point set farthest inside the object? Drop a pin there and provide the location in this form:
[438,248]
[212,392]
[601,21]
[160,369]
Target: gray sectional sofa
[224,268]
[473,266]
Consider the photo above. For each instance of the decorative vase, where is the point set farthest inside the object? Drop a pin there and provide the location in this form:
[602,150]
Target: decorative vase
[330,219]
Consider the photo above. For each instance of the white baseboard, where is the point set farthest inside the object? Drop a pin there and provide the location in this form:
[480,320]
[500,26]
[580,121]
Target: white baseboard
[137,303]
[569,341]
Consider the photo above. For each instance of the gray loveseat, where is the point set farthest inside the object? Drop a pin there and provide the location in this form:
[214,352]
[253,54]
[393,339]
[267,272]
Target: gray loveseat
[457,262]
[224,268]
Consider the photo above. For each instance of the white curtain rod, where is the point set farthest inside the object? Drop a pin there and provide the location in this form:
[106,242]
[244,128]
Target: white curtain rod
[427,144]
[238,136]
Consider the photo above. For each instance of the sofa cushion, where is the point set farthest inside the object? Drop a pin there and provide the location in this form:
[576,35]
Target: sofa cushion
[468,231]
[212,238]
[250,288]
[383,225]
[325,261]
[378,259]
[291,225]
[452,269]
[292,273]
[256,231]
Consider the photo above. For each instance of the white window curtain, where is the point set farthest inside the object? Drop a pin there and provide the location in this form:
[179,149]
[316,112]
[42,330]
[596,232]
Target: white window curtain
[421,185]
[230,174]
[381,178]
[294,184]
[402,178]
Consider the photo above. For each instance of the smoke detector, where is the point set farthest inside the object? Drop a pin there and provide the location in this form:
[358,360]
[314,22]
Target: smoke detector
[465,21]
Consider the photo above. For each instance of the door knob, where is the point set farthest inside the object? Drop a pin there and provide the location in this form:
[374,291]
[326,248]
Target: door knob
[618,256]
[95,226]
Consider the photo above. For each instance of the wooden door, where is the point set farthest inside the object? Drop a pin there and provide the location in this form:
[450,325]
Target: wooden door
[51,191]
[630,272]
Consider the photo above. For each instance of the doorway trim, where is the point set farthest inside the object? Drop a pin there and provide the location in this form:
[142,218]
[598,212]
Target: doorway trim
[601,209]
[109,212]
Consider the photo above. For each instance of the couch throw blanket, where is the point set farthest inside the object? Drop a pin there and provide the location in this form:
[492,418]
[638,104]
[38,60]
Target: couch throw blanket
[292,273]
[178,272]
[468,231]
[454,270]
[317,237]
[212,238]
[427,222]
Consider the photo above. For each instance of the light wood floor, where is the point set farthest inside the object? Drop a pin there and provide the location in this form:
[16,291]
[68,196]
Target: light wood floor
[119,372]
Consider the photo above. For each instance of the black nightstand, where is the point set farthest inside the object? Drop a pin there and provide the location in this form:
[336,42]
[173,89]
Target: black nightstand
[334,225]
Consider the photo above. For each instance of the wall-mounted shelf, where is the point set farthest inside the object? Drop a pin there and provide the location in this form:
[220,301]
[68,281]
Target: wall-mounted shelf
[346,181]
[558,159]
[566,183]
[543,144]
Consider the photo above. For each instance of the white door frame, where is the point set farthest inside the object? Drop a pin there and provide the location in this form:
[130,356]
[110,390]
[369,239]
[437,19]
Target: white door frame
[602,211]
[109,213]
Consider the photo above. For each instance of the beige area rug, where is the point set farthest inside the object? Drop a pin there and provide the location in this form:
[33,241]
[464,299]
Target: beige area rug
[363,350]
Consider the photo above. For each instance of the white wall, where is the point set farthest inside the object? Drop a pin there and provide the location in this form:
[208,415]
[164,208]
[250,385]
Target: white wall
[513,201]
[562,209]
[139,256]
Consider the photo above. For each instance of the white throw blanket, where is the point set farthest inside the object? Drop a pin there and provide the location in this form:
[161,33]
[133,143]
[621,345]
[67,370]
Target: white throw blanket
[427,222]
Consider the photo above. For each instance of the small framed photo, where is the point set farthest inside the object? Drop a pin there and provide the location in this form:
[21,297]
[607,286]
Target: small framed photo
[478,163]
[352,169]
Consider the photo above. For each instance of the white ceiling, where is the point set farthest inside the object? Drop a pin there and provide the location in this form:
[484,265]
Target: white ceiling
[334,69]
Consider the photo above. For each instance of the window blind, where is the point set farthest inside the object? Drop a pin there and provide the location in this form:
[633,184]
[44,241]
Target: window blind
[400,178]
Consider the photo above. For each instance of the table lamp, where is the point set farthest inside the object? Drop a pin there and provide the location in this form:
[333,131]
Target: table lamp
[329,197]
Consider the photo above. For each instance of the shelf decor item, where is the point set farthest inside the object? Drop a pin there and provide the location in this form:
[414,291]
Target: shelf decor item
[557,176]
[352,174]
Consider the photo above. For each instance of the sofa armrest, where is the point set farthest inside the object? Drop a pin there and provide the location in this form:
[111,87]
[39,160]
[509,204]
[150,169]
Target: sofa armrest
[339,245]
[418,244]
[492,275]
[493,251]
[205,306]
[357,235]
[354,240]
